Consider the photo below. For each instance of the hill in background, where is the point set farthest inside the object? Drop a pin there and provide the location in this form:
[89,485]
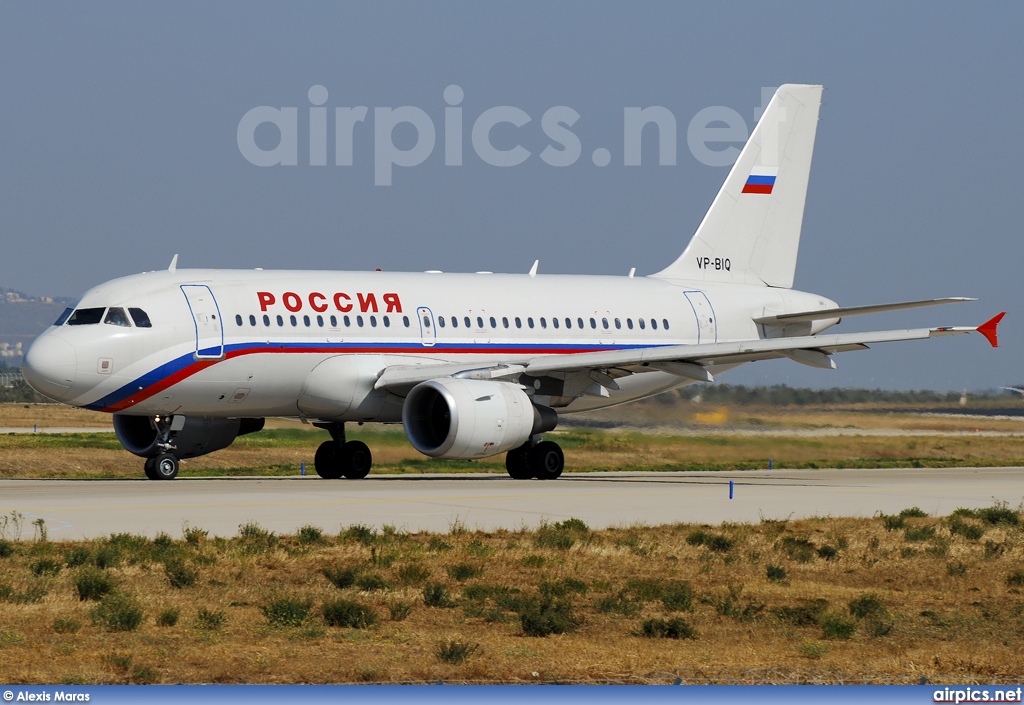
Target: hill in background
[22,318]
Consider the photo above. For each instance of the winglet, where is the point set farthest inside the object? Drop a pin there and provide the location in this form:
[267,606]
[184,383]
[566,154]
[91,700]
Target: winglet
[533,269]
[988,329]
[174,264]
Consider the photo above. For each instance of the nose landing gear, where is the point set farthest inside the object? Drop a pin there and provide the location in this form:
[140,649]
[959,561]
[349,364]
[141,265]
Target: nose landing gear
[163,467]
[166,465]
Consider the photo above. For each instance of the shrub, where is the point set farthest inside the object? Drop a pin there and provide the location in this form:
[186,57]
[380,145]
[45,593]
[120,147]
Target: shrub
[999,514]
[106,557]
[33,593]
[533,561]
[829,553]
[463,572]
[1015,579]
[168,617]
[46,566]
[436,595]
[413,574]
[372,581]
[957,569]
[677,597]
[287,612]
[971,532]
[918,533]
[209,620]
[916,512]
[76,557]
[574,524]
[712,542]
[163,541]
[867,605]
[812,649]
[256,539]
[180,574]
[620,603]
[802,615]
[561,588]
[551,536]
[800,550]
[344,613]
[776,573]
[399,611]
[311,535]
[437,544]
[675,628]
[835,625]
[66,625]
[341,578]
[193,535]
[544,616]
[454,651]
[93,584]
[118,612]
[6,548]
[360,534]
[891,522]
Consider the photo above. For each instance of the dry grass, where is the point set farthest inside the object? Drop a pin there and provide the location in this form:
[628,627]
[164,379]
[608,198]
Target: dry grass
[946,608]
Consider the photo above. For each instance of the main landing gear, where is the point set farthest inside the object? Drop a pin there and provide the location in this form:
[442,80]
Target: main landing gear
[543,460]
[337,458]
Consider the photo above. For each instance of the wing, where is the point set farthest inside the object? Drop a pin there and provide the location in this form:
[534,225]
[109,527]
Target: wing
[691,361]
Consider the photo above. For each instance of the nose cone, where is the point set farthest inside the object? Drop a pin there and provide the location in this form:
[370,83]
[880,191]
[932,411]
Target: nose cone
[49,366]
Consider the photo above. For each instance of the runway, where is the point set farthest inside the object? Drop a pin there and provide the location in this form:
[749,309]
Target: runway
[75,509]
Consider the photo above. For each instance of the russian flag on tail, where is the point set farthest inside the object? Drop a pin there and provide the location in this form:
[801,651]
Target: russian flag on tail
[761,179]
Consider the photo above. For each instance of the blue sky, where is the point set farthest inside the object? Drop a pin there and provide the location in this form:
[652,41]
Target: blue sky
[118,149]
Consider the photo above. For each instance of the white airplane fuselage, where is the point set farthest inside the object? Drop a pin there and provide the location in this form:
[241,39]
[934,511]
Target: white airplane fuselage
[255,336]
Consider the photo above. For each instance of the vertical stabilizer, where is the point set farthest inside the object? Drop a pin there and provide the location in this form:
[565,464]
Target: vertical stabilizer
[751,233]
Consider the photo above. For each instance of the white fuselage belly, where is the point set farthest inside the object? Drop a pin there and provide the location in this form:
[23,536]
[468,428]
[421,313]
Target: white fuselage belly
[278,326]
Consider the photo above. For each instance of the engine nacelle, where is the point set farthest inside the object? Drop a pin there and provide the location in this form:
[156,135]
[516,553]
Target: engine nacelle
[464,418]
[198,436]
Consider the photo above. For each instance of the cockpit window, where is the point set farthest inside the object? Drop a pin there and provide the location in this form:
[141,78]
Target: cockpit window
[140,317]
[86,316]
[64,316]
[117,317]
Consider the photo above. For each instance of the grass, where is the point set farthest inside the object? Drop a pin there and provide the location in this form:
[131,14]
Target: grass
[770,609]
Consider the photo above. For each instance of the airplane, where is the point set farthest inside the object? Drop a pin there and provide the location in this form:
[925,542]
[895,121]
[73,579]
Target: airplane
[472,365]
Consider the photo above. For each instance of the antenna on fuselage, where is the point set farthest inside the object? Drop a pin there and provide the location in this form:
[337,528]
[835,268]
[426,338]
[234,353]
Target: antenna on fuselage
[533,269]
[174,264]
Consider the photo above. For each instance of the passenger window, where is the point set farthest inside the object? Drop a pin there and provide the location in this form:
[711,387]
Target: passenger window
[568,322]
[387,322]
[238,320]
[280,321]
[479,322]
[529,321]
[373,321]
[405,320]
[64,316]
[305,321]
[543,322]
[334,321]
[320,321]
[348,321]
[579,321]
[252,320]
[642,324]
[554,322]
[629,323]
[519,322]
[604,322]
[618,324]
[426,321]
[440,321]
[359,321]
[494,323]
[664,323]
[469,323]
[117,317]
[140,317]
[593,323]
[504,321]
[86,316]
[455,321]
[266,320]
[654,324]
[294,321]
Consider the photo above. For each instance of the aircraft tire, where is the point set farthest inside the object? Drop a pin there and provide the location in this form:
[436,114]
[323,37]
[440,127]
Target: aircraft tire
[517,463]
[327,462]
[150,470]
[165,467]
[547,460]
[356,460]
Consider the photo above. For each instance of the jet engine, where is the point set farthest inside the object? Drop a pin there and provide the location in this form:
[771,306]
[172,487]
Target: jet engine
[464,418]
[198,436]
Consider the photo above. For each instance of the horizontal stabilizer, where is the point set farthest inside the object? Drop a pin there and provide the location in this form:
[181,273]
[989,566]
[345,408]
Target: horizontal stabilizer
[827,313]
